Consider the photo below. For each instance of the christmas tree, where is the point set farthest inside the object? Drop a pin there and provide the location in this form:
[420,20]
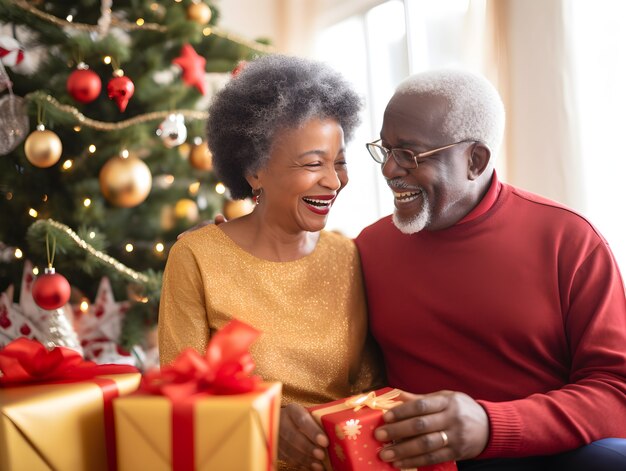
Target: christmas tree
[102,155]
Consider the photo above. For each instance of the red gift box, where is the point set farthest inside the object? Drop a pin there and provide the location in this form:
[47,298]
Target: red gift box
[350,424]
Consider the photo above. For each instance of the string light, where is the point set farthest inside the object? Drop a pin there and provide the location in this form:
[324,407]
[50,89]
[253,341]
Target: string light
[92,148]
[125,153]
[18,253]
[92,235]
[87,203]
[69,18]
[159,247]
[207,31]
[84,305]
[106,59]
[44,198]
[35,271]
[67,164]
[140,21]
[9,196]
[33,212]
[220,189]
[129,248]
[193,188]
[77,128]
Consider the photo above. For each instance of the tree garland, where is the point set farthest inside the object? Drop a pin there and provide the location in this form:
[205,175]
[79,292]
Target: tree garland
[24,5]
[38,230]
[42,98]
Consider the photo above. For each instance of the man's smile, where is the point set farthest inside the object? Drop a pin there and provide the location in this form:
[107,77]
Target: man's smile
[406,196]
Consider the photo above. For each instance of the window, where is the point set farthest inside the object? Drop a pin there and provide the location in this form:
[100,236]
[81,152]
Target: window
[600,69]
[375,49]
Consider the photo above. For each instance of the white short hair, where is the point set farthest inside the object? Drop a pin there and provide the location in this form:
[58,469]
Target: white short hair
[475,107]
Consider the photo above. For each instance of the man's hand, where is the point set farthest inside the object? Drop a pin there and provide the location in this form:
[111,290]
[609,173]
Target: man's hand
[219,218]
[302,441]
[433,428]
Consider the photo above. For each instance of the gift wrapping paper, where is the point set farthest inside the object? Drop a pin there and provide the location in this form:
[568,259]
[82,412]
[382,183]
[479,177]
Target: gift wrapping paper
[236,432]
[350,431]
[58,427]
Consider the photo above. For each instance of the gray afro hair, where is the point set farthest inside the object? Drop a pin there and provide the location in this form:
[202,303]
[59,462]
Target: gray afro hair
[272,93]
[475,107]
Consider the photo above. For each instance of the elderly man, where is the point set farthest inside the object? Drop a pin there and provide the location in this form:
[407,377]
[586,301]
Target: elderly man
[501,312]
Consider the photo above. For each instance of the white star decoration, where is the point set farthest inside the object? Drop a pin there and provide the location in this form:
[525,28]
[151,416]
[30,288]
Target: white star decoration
[352,429]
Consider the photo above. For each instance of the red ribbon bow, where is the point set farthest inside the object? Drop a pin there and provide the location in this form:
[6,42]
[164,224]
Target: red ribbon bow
[224,369]
[26,361]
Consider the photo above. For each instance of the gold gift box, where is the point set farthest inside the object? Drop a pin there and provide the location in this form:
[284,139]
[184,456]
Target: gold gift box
[56,427]
[231,433]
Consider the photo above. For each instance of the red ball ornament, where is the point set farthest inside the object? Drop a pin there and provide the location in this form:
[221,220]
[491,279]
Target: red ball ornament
[238,68]
[83,84]
[51,290]
[120,89]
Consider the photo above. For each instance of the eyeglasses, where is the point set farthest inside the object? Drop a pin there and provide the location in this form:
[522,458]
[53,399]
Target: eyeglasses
[405,158]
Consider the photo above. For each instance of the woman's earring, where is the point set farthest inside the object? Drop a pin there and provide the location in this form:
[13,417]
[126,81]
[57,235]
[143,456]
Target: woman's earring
[256,195]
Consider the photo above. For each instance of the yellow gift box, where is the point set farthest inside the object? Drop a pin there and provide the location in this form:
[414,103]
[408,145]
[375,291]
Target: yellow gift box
[231,432]
[57,427]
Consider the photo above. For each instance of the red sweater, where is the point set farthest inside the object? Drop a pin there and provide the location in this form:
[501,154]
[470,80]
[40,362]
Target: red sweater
[522,308]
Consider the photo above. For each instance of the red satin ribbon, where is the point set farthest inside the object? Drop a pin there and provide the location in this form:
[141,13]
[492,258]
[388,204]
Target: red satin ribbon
[183,449]
[225,369]
[25,361]
[110,391]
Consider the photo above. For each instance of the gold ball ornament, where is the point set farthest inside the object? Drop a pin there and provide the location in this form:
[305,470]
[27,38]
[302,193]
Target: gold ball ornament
[200,157]
[237,208]
[125,181]
[200,13]
[43,148]
[186,209]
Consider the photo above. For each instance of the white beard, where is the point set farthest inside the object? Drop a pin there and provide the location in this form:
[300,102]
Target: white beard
[416,222]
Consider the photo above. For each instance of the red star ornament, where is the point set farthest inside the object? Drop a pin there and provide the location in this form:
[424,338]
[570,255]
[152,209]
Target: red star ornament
[193,67]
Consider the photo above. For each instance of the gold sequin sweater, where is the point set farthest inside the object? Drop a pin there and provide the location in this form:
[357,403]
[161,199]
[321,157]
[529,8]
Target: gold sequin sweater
[311,311]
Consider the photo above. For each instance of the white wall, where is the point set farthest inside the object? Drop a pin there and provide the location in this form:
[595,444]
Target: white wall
[251,19]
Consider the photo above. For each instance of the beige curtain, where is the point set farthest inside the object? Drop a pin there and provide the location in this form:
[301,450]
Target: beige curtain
[526,55]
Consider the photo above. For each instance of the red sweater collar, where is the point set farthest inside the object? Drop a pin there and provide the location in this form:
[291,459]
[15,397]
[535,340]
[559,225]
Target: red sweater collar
[487,202]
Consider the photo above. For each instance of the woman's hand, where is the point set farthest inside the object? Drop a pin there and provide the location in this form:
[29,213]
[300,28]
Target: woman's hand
[302,440]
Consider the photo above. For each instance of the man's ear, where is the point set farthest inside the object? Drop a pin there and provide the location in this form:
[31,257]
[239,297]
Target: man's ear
[479,160]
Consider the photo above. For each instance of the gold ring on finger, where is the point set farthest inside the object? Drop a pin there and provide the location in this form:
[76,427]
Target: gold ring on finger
[444,437]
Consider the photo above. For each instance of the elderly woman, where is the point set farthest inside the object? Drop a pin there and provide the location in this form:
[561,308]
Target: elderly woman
[277,132]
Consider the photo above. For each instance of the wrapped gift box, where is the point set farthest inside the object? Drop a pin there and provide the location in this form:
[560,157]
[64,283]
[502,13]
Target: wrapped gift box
[236,432]
[58,427]
[350,424]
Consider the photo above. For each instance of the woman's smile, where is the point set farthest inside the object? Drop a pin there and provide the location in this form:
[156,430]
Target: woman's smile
[319,204]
